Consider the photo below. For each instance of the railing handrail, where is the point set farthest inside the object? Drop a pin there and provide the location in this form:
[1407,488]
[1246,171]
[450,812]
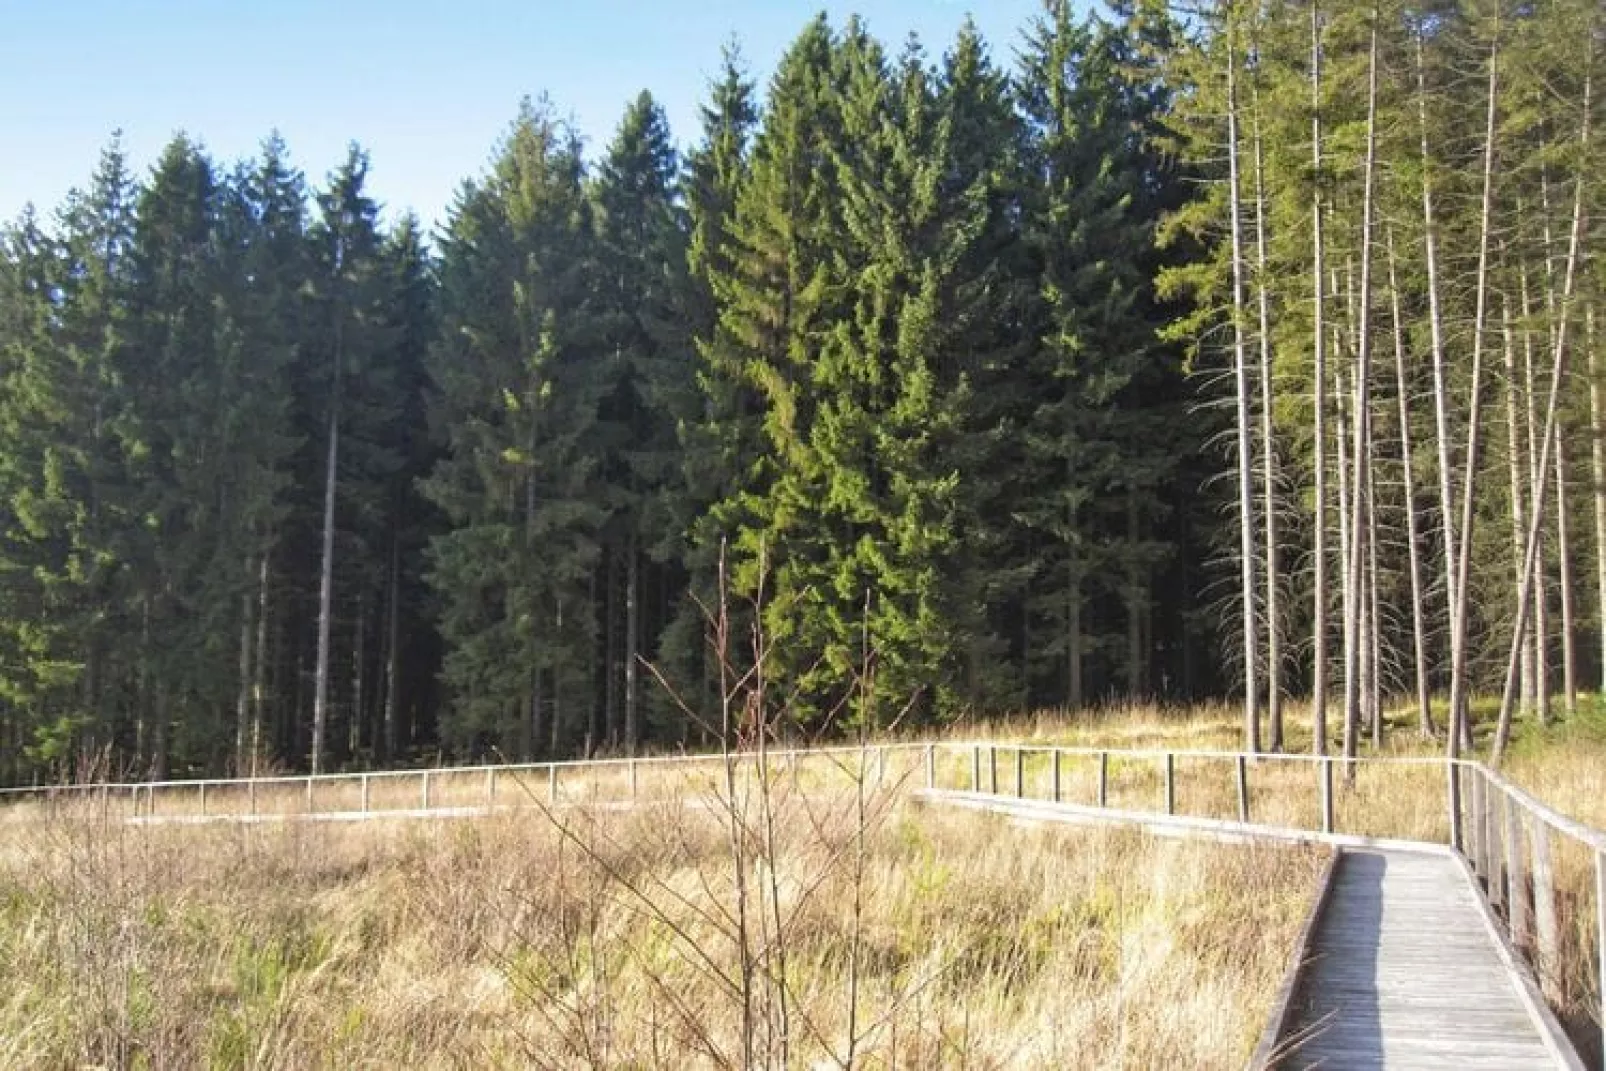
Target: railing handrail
[1561,823]
[623,762]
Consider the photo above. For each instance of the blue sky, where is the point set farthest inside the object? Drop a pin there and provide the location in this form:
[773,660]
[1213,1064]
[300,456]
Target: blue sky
[426,85]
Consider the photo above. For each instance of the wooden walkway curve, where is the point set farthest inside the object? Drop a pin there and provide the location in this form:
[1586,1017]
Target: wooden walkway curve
[1401,964]
[1404,970]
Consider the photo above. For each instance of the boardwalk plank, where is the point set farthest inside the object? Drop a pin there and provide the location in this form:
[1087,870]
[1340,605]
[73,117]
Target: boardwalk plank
[1403,973]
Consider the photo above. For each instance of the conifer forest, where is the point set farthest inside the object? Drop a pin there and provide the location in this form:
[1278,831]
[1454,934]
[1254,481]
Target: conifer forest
[1247,350]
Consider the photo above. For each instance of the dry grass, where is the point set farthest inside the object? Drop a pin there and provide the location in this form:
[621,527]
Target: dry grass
[604,939]
[585,935]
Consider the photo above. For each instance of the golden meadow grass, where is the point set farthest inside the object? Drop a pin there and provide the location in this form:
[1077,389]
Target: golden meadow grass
[510,942]
[610,938]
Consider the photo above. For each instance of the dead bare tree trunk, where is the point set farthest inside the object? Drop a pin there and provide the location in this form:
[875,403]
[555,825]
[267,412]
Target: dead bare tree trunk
[1319,344]
[1274,654]
[1540,635]
[259,695]
[1246,545]
[354,723]
[1558,369]
[632,645]
[1374,603]
[1362,415]
[1564,563]
[392,642]
[1441,386]
[242,703]
[1419,646]
[1597,471]
[1460,723]
[326,589]
[1564,557]
[1519,497]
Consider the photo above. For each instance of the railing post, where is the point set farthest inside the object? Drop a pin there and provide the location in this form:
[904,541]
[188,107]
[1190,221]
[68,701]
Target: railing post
[1055,776]
[992,769]
[552,782]
[634,785]
[1242,771]
[424,792]
[975,767]
[1493,843]
[931,766]
[1453,779]
[309,795]
[1546,933]
[880,765]
[1326,765]
[1170,783]
[1477,828]
[1020,772]
[1517,895]
[1104,778]
[365,793]
[490,788]
[203,799]
[253,794]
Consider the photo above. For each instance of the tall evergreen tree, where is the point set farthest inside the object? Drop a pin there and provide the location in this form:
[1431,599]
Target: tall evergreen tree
[515,403]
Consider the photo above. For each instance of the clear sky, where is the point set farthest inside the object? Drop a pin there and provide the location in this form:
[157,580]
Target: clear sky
[427,86]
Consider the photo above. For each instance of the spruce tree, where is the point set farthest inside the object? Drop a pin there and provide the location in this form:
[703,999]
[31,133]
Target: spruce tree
[515,402]
[642,305]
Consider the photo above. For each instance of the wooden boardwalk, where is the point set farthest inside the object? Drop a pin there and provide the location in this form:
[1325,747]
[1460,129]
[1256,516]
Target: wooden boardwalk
[1404,970]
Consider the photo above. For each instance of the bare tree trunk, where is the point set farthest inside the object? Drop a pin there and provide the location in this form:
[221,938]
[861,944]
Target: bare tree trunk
[1362,417]
[1274,654]
[242,702]
[1343,397]
[610,650]
[1319,345]
[557,686]
[1137,607]
[1564,556]
[1441,387]
[632,644]
[1569,620]
[1413,537]
[1074,694]
[1597,471]
[1460,723]
[354,723]
[1374,614]
[1519,497]
[1558,370]
[392,642]
[1246,546]
[1540,636]
[259,696]
[326,590]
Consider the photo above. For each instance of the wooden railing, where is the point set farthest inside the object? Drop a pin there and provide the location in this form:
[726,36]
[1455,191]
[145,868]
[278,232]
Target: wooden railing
[1536,868]
[438,790]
